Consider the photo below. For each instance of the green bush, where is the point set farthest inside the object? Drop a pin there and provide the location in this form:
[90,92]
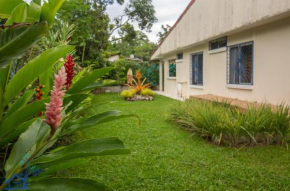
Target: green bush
[228,125]
[121,67]
[128,93]
[147,92]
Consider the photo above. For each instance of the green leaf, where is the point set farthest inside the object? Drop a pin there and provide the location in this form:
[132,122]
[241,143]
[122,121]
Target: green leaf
[93,121]
[20,116]
[14,134]
[96,85]
[67,184]
[88,79]
[38,2]
[26,145]
[93,86]
[33,13]
[79,75]
[76,100]
[52,168]
[18,15]
[1,102]
[7,6]
[79,111]
[45,79]
[20,103]
[95,147]
[32,69]
[17,39]
[49,10]
[4,75]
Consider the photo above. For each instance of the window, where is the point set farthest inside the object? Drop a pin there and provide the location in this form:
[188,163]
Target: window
[240,64]
[172,68]
[179,56]
[218,43]
[196,69]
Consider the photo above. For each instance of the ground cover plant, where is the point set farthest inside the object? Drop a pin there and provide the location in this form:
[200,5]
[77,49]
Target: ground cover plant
[227,125]
[165,157]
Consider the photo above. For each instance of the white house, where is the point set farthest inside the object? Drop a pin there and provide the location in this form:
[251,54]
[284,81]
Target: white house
[230,48]
[114,57]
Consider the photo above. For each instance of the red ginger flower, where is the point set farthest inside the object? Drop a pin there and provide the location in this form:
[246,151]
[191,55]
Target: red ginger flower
[69,69]
[54,108]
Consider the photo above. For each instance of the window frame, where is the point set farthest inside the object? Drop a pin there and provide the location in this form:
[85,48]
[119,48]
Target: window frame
[181,53]
[169,63]
[228,63]
[191,69]
[218,39]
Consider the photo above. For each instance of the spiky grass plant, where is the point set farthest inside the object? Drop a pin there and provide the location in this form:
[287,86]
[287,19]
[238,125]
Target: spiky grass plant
[228,125]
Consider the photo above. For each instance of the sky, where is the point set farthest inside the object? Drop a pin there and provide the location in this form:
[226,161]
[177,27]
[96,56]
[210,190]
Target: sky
[167,12]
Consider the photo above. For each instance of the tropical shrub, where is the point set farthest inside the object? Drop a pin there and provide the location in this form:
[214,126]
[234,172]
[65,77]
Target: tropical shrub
[227,125]
[147,92]
[138,86]
[25,135]
[128,93]
[121,66]
[138,90]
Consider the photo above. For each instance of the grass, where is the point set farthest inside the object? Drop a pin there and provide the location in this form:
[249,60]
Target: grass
[165,157]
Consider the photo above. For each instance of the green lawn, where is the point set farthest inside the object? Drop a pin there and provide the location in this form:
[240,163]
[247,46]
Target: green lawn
[165,157]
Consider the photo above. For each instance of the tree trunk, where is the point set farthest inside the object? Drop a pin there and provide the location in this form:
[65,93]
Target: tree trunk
[83,55]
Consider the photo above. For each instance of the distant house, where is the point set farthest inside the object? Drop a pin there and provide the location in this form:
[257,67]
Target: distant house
[231,48]
[135,60]
[114,57]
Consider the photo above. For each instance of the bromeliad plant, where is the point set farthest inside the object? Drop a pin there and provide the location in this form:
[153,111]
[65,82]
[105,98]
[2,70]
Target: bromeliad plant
[138,90]
[138,86]
[22,131]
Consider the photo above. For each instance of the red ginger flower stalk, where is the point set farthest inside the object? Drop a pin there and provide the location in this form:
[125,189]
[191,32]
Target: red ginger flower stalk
[39,95]
[69,69]
[54,108]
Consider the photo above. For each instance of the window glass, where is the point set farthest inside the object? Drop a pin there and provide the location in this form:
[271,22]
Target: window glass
[218,43]
[240,66]
[172,68]
[179,56]
[223,42]
[197,69]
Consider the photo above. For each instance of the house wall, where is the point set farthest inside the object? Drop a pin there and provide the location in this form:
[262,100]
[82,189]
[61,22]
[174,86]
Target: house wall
[208,19]
[271,80]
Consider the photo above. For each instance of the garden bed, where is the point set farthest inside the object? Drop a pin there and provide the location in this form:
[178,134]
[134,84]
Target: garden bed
[140,98]
[225,124]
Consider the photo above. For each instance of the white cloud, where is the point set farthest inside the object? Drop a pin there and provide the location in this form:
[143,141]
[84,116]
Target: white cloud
[167,12]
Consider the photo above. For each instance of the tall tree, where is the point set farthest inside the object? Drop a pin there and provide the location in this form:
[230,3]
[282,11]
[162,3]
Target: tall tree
[94,29]
[141,47]
[91,23]
[162,34]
